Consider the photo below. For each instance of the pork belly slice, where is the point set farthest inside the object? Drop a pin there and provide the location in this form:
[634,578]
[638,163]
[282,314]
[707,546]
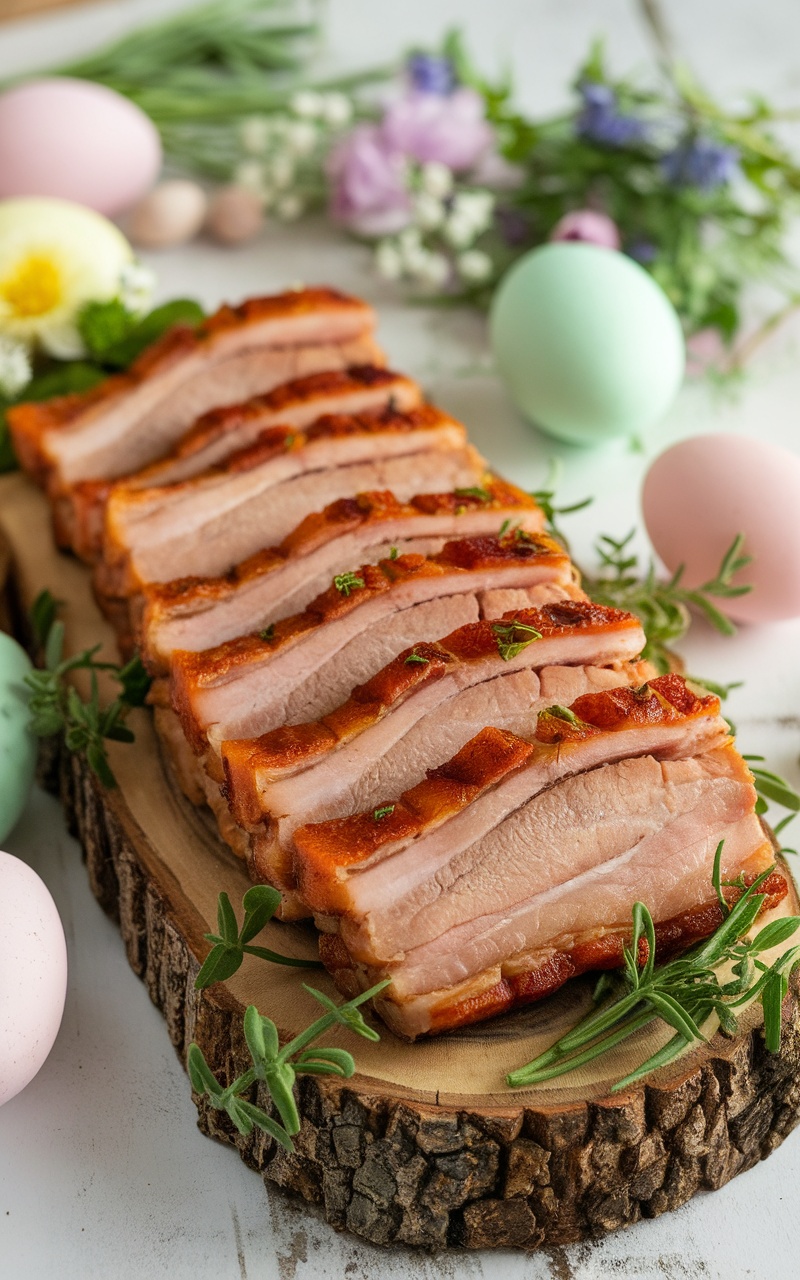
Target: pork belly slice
[509,816]
[304,666]
[196,613]
[207,525]
[421,709]
[135,416]
[237,439]
[531,976]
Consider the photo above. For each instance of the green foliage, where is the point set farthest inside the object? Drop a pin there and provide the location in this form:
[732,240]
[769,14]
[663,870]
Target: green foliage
[685,992]
[56,379]
[278,1068]
[662,607]
[231,944]
[55,706]
[513,637]
[115,336]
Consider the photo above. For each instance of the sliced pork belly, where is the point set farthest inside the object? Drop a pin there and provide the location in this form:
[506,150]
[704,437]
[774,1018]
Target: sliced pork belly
[199,613]
[237,438]
[133,417]
[420,710]
[304,666]
[207,525]
[528,847]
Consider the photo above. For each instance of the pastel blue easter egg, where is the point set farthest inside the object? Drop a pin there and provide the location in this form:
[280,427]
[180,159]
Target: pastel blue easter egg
[17,743]
[587,342]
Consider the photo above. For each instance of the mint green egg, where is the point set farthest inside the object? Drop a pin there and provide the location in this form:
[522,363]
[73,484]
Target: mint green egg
[17,743]
[587,342]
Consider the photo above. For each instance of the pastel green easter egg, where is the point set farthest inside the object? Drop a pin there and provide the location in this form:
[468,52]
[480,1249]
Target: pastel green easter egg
[17,743]
[589,345]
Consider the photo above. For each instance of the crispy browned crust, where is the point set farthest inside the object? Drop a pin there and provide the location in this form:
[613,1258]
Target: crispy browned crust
[314,386]
[29,422]
[324,847]
[194,671]
[291,747]
[605,951]
[320,527]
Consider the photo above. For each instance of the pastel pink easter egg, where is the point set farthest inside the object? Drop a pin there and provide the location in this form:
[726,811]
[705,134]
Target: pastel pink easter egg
[76,140]
[699,494]
[588,226]
[33,965]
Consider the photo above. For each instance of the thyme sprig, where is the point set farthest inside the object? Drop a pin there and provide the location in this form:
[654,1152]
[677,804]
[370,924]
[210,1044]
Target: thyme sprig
[278,1068]
[232,943]
[346,583]
[55,706]
[663,607]
[513,637]
[685,992]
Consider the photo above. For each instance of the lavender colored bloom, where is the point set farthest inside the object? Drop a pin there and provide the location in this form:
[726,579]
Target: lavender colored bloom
[588,226]
[601,121]
[700,162]
[428,127]
[431,73]
[642,251]
[513,224]
[368,183]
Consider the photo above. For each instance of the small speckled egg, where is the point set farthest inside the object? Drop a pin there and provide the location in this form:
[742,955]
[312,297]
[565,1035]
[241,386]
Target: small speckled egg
[701,493]
[33,962]
[76,140]
[17,743]
[169,215]
[588,343]
[235,214]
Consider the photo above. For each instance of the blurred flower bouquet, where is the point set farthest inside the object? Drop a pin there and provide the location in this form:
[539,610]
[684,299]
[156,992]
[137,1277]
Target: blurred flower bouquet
[449,182]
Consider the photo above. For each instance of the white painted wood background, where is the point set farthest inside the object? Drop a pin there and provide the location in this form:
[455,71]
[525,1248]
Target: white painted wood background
[103,1175]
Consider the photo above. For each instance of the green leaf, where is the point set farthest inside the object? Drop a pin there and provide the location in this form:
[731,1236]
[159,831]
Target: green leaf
[42,615]
[774,933]
[121,353]
[226,920]
[135,682]
[256,1116]
[202,1077]
[254,1034]
[260,904]
[221,963]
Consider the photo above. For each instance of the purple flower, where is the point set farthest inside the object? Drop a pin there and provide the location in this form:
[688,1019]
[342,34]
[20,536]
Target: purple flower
[368,178]
[427,127]
[700,162]
[431,73]
[601,121]
[588,226]
[514,225]
[642,251]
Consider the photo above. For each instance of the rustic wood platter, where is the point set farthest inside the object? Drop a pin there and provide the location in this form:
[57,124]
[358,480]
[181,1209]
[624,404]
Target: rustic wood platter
[425,1145]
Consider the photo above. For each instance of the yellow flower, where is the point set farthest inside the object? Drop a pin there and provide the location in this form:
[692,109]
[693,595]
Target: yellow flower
[54,257]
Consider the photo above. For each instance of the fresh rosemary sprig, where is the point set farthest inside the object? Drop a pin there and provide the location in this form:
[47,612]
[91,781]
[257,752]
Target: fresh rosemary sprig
[662,607]
[348,582]
[277,1068]
[232,944]
[545,499]
[513,637]
[55,706]
[773,789]
[683,992]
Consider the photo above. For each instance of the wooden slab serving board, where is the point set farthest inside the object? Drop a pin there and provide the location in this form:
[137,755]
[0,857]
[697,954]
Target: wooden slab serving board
[425,1145]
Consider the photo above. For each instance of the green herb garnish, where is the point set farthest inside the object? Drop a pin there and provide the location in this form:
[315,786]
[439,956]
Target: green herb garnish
[55,706]
[268,634]
[416,657]
[232,944]
[393,553]
[662,607]
[384,812]
[347,582]
[683,992]
[513,637]
[475,491]
[278,1068]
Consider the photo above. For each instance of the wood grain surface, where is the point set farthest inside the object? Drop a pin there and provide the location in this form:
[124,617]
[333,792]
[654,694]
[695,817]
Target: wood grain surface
[425,1145]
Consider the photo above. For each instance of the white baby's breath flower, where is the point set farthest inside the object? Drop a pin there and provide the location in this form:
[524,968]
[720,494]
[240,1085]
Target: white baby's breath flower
[459,231]
[475,208]
[288,207]
[308,104]
[337,109]
[281,171]
[301,137]
[474,266]
[429,213]
[436,179]
[136,286]
[15,367]
[409,240]
[388,261]
[434,270]
[255,133]
[252,175]
[54,257]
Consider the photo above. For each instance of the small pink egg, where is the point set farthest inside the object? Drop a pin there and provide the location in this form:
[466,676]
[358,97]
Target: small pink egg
[699,494]
[76,140]
[33,965]
[588,226]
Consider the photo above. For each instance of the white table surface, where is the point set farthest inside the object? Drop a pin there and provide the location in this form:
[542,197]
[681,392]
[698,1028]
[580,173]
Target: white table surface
[102,1171]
